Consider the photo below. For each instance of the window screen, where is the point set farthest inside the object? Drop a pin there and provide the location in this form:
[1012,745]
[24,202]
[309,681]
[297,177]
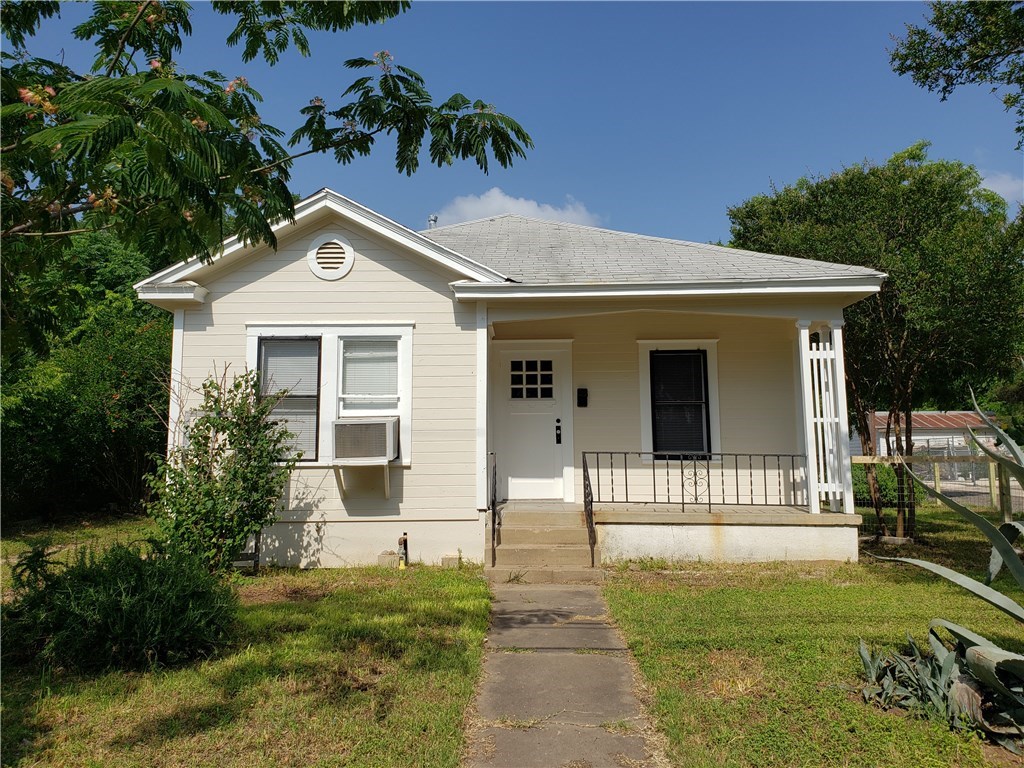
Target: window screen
[369,375]
[293,366]
[679,401]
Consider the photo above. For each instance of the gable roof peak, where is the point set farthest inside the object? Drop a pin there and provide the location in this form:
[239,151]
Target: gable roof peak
[233,248]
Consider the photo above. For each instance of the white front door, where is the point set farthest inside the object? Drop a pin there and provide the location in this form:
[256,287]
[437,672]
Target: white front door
[531,394]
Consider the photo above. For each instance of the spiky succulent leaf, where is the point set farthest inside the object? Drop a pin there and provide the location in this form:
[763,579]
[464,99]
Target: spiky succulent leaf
[869,661]
[1012,532]
[999,669]
[1013,562]
[1015,450]
[963,636]
[986,593]
[938,647]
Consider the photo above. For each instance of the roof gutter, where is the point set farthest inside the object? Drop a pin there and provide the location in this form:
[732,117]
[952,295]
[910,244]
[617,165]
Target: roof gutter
[171,296]
[470,291]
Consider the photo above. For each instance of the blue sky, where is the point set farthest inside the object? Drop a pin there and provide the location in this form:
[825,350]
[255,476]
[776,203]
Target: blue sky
[647,117]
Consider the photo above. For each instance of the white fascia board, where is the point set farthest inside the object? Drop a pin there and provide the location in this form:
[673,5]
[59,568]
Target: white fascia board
[466,291]
[173,295]
[358,214]
[426,247]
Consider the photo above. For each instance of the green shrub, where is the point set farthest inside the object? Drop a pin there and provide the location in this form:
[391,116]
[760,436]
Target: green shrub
[886,485]
[224,484]
[107,380]
[122,607]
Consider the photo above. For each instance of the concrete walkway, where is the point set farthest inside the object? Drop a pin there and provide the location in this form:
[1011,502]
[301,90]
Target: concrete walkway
[558,687]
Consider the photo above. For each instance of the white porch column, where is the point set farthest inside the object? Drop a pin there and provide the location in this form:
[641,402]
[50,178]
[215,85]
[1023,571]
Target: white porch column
[843,452]
[481,405]
[807,399]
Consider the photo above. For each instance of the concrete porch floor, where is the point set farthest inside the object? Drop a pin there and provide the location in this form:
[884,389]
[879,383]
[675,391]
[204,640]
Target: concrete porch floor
[673,514]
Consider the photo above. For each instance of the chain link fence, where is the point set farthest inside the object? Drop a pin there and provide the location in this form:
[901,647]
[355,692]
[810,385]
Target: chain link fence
[975,481]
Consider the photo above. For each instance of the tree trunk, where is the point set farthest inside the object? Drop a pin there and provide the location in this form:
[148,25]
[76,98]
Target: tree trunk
[868,446]
[911,489]
[892,424]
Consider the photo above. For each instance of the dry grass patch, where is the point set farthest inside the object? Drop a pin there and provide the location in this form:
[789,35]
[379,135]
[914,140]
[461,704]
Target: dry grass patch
[732,675]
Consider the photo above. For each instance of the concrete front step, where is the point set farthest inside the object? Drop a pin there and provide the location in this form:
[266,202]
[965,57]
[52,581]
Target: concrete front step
[550,556]
[514,535]
[542,575]
[541,518]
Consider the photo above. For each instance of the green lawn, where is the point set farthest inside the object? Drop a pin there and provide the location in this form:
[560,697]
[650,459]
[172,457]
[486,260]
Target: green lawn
[750,665]
[361,667]
[66,535]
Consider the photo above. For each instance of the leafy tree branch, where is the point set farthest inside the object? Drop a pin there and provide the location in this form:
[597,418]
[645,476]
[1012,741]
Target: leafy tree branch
[968,43]
[192,150]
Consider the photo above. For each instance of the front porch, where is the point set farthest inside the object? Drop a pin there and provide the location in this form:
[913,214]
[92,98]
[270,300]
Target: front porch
[702,435]
[561,538]
[713,506]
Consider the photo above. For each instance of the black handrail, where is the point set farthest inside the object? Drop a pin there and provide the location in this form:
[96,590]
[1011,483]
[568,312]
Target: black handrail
[492,506]
[588,510]
[693,479]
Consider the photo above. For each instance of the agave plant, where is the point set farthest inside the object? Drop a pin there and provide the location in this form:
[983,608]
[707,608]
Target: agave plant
[974,683]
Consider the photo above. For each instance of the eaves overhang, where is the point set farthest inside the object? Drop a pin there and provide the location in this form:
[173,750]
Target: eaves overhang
[233,248]
[859,286]
[173,296]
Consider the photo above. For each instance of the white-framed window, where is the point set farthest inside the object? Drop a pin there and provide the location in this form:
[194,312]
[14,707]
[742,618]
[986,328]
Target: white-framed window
[292,365]
[369,377]
[363,370]
[679,396]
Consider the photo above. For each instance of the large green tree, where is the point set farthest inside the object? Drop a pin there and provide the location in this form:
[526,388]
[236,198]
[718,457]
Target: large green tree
[968,43]
[85,383]
[950,313]
[111,173]
[172,161]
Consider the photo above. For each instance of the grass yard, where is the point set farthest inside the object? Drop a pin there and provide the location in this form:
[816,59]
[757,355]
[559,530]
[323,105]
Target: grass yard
[750,665]
[66,535]
[362,667]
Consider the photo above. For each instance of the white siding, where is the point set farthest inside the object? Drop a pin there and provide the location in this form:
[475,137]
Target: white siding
[756,384]
[384,285]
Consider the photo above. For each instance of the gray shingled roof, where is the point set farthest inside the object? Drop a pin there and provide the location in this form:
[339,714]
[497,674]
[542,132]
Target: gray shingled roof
[532,251]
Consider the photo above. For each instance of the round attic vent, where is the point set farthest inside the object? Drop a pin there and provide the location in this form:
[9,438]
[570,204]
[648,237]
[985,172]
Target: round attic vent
[330,256]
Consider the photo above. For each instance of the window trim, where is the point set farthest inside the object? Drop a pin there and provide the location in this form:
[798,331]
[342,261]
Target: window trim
[319,376]
[710,349]
[331,334]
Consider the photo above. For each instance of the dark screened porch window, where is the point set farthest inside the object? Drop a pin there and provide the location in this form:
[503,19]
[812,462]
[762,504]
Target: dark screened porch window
[679,402]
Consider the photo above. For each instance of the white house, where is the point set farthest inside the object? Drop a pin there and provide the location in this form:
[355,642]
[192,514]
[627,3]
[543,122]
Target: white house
[670,398]
[937,433]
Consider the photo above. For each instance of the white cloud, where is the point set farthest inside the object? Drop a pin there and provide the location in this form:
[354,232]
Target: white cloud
[1010,187]
[495,202]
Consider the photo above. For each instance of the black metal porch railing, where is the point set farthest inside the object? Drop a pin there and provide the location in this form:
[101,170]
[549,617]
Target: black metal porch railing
[692,481]
[492,504]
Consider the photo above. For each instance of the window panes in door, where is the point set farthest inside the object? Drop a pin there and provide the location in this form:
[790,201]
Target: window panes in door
[531,380]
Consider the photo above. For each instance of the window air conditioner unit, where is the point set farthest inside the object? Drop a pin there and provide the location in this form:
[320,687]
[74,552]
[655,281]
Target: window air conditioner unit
[365,440]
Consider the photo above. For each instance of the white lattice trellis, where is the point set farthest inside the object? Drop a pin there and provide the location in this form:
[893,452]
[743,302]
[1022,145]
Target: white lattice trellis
[826,432]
